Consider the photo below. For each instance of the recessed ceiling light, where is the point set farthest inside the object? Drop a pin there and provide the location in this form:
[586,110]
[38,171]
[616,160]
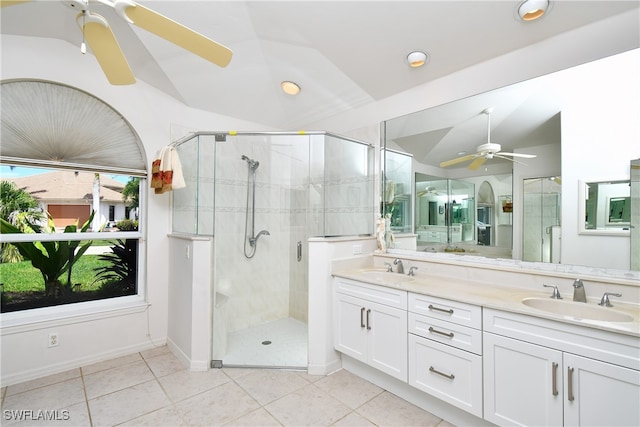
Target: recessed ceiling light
[290,88]
[417,59]
[530,10]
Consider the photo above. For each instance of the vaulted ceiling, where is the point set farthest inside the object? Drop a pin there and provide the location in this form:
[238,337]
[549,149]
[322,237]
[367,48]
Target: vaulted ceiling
[344,54]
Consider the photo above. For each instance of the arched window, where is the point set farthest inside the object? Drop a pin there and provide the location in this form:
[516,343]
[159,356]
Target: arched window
[84,165]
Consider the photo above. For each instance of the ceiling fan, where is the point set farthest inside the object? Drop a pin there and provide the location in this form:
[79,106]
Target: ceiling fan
[97,32]
[486,151]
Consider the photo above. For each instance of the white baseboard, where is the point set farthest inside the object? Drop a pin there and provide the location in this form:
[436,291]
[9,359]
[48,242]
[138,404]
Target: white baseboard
[324,369]
[43,371]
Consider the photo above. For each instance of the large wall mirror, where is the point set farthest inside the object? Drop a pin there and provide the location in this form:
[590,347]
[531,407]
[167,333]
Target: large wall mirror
[527,205]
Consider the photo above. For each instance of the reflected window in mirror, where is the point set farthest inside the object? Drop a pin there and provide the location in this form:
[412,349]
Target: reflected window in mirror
[396,190]
[606,207]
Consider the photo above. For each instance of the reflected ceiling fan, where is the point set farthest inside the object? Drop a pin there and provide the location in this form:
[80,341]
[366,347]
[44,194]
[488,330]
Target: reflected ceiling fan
[486,151]
[97,33]
[429,190]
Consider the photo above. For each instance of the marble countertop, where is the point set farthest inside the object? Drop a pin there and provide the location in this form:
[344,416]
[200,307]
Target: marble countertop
[495,296]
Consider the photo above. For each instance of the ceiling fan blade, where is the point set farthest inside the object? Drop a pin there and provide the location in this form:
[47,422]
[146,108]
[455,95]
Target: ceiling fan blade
[4,3]
[477,163]
[106,48]
[524,156]
[511,159]
[458,160]
[174,32]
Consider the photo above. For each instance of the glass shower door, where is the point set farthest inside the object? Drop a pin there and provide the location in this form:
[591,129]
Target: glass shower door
[261,201]
[541,220]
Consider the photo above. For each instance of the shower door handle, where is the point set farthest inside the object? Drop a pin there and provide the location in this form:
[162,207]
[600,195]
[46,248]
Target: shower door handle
[299,251]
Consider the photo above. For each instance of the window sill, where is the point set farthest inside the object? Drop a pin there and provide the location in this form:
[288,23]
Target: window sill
[39,318]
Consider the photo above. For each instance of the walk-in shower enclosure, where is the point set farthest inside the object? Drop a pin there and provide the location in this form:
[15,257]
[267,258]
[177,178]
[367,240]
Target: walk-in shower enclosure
[277,189]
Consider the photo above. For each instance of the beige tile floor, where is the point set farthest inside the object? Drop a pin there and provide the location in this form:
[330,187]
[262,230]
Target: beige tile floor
[152,388]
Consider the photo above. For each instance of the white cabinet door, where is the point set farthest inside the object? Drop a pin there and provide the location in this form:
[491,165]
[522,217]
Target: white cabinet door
[522,383]
[350,329]
[387,339]
[600,394]
[372,333]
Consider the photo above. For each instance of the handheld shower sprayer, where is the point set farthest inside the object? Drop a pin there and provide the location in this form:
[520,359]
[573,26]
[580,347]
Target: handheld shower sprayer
[253,164]
[251,207]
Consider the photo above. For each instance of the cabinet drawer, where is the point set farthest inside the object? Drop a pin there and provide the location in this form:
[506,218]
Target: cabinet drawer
[447,373]
[459,336]
[452,311]
[380,294]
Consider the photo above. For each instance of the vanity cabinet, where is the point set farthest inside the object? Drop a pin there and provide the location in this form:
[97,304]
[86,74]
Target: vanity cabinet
[531,376]
[370,324]
[445,350]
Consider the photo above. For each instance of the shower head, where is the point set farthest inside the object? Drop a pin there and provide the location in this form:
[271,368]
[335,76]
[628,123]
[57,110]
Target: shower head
[253,164]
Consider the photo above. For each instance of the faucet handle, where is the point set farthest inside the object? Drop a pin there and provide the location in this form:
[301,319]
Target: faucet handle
[389,268]
[605,299]
[556,292]
[411,270]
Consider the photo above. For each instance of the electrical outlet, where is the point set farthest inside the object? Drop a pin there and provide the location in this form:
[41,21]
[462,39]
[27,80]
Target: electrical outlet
[53,340]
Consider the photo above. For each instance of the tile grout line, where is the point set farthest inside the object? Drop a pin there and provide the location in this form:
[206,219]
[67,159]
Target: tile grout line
[86,398]
[172,404]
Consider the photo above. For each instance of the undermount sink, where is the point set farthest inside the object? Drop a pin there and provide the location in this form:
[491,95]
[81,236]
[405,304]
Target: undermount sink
[577,310]
[385,276]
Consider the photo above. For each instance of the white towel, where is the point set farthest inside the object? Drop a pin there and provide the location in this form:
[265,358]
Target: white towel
[167,171]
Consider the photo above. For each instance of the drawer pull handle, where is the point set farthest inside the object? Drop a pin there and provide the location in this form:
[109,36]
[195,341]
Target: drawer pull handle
[368,325]
[554,378]
[435,371]
[435,331]
[570,384]
[362,317]
[431,307]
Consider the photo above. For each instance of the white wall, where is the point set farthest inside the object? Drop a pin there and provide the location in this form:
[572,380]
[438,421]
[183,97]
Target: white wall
[158,120]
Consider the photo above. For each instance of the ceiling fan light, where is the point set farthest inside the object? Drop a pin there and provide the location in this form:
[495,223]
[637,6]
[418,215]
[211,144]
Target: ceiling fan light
[417,59]
[290,88]
[530,10]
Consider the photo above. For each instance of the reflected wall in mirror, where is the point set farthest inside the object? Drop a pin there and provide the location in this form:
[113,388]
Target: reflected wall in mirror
[560,119]
[605,207]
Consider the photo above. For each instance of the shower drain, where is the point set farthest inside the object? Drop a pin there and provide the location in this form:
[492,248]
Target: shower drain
[266,342]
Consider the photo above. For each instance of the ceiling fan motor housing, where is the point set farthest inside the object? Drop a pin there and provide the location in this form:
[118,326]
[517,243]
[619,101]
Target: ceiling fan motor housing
[489,148]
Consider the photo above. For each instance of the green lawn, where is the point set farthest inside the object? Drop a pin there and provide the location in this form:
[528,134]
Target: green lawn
[22,277]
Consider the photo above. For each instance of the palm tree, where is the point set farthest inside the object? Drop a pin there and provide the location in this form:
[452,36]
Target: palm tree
[19,208]
[131,193]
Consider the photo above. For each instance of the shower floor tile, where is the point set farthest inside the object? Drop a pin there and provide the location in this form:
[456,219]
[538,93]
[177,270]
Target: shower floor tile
[281,343]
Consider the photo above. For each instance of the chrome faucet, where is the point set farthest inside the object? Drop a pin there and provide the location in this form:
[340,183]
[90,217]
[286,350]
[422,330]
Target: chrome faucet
[578,291]
[398,262]
[556,292]
[389,267]
[605,299]
[411,270]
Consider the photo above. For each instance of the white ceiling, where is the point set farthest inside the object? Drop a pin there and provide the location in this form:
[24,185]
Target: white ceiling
[344,55]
